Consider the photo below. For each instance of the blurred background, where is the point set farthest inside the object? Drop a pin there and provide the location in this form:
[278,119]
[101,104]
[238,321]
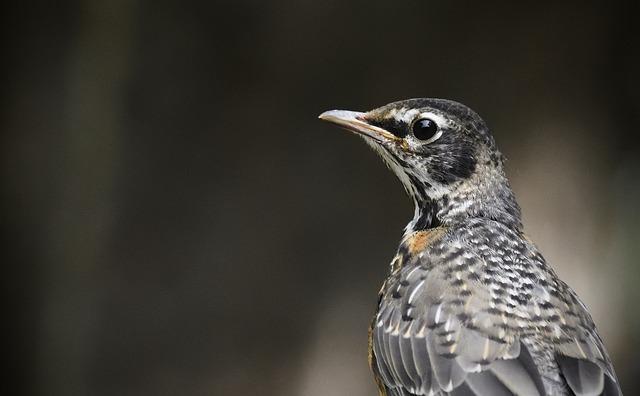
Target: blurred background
[180,223]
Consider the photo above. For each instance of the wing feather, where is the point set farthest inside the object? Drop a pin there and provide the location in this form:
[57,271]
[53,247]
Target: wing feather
[447,371]
[399,365]
[519,375]
[382,358]
[408,362]
[585,378]
[423,365]
[580,353]
[486,383]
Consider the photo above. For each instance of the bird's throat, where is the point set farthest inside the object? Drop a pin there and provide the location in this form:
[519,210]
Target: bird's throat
[491,198]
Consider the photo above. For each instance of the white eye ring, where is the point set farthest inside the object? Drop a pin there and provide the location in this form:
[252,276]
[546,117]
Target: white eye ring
[434,137]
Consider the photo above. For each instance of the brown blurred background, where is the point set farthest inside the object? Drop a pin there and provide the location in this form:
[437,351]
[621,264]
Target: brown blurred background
[180,223]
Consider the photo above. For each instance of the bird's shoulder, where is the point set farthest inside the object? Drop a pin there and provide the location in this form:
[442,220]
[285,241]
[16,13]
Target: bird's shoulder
[471,296]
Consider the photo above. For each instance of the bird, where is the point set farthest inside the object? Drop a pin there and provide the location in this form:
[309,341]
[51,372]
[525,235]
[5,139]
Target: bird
[470,306]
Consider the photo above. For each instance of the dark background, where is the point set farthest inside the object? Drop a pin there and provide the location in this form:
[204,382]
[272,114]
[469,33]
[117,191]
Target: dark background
[180,223]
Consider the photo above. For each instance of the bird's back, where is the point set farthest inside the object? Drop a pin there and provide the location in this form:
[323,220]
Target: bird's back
[473,309]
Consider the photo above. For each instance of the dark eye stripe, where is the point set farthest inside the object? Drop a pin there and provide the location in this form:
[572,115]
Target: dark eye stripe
[392,125]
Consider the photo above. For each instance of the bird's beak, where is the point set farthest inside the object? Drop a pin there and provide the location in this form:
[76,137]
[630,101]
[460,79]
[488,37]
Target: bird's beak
[356,122]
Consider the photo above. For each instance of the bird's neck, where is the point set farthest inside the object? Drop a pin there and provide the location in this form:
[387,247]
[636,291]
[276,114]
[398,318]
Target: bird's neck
[486,194]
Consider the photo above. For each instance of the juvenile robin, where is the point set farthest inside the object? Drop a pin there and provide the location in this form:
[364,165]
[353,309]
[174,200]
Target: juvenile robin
[470,306]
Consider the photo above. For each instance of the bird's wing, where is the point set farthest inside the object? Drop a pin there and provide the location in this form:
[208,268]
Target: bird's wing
[439,329]
[580,353]
[436,332]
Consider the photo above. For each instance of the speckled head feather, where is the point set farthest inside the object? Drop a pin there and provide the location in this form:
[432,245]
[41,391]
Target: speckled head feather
[457,171]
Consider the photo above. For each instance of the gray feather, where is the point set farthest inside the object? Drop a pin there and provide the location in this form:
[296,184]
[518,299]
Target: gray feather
[487,384]
[462,390]
[396,360]
[447,371]
[381,360]
[611,387]
[516,377]
[407,360]
[421,359]
[386,350]
[585,378]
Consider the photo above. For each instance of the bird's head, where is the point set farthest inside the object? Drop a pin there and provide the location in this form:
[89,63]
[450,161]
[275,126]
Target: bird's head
[442,152]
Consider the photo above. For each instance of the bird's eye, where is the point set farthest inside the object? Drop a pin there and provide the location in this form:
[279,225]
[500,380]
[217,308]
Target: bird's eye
[426,130]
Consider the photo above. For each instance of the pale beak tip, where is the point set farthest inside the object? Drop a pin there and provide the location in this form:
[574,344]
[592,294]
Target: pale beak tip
[323,116]
[330,115]
[340,116]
